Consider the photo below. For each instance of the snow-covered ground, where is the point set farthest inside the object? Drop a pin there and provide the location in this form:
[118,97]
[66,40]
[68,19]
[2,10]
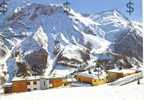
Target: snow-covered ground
[103,92]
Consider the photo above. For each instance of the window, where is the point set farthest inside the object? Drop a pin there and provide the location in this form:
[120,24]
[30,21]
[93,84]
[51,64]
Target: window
[28,83]
[28,89]
[44,83]
[35,82]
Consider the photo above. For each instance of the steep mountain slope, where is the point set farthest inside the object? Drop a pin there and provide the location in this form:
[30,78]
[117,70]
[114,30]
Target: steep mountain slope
[113,23]
[55,22]
[126,36]
[67,36]
[52,27]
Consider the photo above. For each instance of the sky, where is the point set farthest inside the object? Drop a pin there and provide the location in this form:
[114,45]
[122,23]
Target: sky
[92,6]
[96,6]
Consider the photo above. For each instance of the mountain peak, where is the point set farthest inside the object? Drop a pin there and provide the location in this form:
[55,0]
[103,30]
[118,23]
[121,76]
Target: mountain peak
[41,37]
[54,28]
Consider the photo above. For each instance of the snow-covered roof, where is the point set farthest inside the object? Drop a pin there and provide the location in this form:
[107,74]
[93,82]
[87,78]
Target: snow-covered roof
[26,78]
[93,75]
[124,71]
[36,78]
[57,76]
[7,84]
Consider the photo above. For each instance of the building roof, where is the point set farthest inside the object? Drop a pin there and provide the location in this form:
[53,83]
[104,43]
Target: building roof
[7,84]
[26,78]
[36,78]
[52,77]
[124,71]
[93,75]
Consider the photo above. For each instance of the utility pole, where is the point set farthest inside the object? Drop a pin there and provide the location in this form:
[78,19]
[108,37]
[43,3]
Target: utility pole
[66,5]
[3,7]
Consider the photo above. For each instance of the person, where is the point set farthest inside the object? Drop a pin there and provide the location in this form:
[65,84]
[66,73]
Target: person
[138,82]
[138,70]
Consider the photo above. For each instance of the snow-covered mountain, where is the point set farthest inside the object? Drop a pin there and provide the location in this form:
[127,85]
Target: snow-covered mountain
[112,22]
[125,35]
[56,23]
[56,28]
[51,27]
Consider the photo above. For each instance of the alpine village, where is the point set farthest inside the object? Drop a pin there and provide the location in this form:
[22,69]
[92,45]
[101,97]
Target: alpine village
[64,51]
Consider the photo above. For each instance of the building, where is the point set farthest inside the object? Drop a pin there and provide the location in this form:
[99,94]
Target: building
[7,88]
[44,83]
[57,82]
[53,81]
[115,74]
[92,78]
[20,84]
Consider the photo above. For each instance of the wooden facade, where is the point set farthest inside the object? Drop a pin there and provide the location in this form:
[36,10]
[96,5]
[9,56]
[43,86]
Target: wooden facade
[19,86]
[91,80]
[7,88]
[34,83]
[57,82]
[25,84]
[116,74]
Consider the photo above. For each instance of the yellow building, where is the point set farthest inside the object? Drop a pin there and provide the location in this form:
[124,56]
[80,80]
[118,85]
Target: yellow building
[57,82]
[92,79]
[115,74]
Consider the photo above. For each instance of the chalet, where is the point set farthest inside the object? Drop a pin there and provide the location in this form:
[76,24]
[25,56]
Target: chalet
[7,88]
[57,82]
[92,78]
[20,84]
[115,74]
